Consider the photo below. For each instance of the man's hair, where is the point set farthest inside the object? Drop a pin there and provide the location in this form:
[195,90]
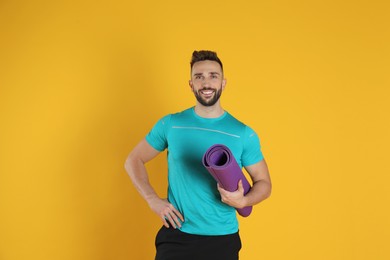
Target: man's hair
[205,55]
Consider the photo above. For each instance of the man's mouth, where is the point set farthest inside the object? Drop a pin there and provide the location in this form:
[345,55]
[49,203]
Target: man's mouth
[207,92]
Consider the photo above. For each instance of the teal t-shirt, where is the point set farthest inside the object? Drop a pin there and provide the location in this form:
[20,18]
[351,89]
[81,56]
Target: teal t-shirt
[191,189]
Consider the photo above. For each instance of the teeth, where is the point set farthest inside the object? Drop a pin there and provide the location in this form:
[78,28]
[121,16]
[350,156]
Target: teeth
[207,92]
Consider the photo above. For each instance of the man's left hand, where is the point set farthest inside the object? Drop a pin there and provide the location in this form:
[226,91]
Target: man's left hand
[236,198]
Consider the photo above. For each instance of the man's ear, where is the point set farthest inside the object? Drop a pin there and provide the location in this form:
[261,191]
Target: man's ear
[223,84]
[191,86]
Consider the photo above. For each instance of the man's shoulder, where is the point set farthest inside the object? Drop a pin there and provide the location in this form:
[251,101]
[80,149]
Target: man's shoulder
[167,119]
[235,120]
[176,114]
[181,114]
[240,126]
[186,111]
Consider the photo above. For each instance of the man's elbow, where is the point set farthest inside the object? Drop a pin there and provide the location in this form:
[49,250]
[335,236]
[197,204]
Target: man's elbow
[131,160]
[268,190]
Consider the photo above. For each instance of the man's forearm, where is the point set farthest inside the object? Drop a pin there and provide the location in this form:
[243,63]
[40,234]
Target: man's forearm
[139,176]
[166,211]
[260,191]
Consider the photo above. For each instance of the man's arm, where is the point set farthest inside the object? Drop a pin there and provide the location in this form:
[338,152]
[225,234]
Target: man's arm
[135,167]
[261,188]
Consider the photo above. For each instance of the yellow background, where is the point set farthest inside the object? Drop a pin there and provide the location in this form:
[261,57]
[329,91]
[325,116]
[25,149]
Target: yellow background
[81,82]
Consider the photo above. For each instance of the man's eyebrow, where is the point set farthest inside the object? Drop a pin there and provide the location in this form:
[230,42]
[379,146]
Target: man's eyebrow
[211,73]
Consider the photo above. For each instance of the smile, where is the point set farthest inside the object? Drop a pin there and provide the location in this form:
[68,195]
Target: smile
[207,92]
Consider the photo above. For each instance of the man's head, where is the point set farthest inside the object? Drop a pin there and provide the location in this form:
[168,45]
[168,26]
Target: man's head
[207,81]
[205,55]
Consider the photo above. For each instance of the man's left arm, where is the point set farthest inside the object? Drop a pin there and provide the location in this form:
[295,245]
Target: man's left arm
[261,188]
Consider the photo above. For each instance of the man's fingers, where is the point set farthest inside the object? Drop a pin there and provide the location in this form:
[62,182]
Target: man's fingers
[178,214]
[171,215]
[164,220]
[220,189]
[240,186]
[173,220]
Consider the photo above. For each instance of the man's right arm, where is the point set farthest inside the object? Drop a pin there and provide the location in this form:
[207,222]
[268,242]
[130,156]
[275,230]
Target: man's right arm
[135,167]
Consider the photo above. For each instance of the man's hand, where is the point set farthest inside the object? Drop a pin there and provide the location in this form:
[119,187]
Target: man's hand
[167,212]
[236,198]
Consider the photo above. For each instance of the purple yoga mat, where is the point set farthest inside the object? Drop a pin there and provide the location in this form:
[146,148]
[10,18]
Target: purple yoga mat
[222,165]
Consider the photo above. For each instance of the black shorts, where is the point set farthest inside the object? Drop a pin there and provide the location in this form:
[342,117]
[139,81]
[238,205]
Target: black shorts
[173,244]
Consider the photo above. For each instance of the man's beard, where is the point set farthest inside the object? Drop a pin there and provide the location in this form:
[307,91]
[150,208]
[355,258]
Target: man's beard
[208,102]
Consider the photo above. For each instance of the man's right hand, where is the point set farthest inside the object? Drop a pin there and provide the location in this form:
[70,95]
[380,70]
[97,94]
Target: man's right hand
[167,212]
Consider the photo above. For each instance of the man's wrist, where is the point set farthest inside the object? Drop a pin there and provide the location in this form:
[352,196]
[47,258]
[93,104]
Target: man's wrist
[245,202]
[151,198]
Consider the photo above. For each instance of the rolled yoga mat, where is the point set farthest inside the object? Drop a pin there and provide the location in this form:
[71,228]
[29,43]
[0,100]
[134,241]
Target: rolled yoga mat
[222,165]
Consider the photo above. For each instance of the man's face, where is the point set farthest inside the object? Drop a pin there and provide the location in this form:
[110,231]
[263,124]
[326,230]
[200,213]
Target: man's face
[207,82]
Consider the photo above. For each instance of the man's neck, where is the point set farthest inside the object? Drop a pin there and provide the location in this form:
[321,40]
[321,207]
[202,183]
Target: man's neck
[209,112]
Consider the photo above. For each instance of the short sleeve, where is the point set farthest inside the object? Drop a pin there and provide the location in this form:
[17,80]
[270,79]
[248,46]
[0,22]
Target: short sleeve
[252,150]
[157,137]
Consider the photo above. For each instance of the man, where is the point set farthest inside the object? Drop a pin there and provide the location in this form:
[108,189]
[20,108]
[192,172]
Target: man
[199,217]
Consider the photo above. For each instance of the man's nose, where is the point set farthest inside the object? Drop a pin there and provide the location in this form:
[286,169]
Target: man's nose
[205,82]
